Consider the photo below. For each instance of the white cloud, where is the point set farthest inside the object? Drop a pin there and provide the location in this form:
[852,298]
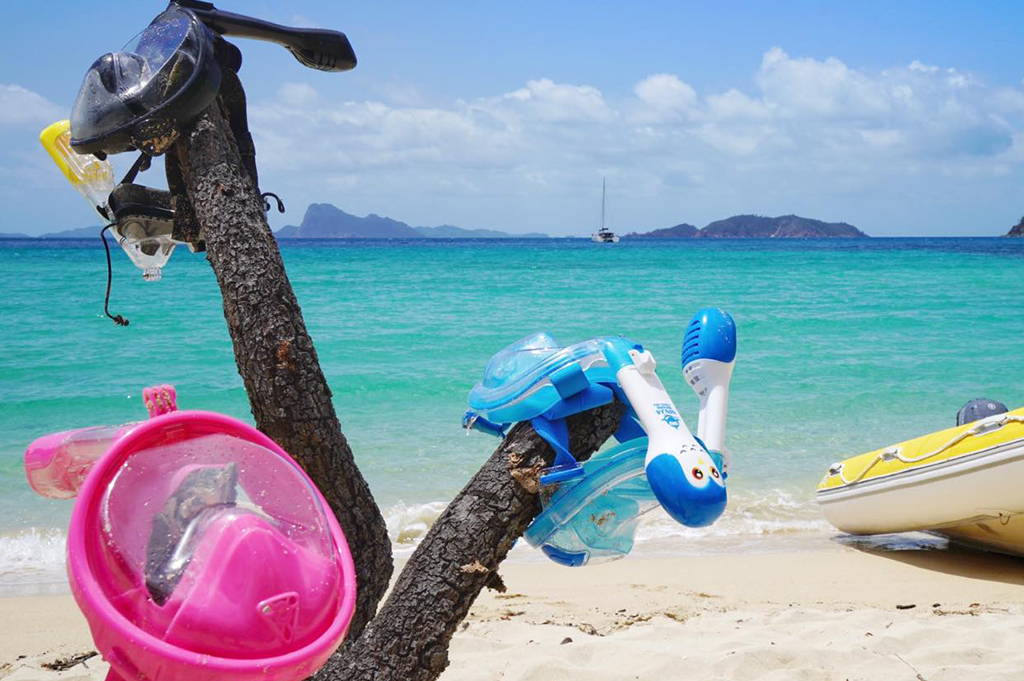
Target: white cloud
[298,94]
[20,106]
[734,105]
[808,88]
[802,128]
[557,102]
[664,91]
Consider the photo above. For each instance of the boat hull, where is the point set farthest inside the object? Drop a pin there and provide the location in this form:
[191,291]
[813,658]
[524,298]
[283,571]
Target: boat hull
[971,490]
[1005,534]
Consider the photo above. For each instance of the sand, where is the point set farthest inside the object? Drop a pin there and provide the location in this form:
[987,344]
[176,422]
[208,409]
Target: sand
[832,612]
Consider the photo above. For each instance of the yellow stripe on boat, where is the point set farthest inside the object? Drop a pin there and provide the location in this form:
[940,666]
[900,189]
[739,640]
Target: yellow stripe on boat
[927,449]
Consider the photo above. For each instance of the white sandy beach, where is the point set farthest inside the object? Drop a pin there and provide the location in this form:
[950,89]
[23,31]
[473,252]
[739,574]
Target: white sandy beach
[834,612]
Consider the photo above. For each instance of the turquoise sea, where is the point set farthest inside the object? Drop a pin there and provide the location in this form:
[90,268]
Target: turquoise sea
[844,346]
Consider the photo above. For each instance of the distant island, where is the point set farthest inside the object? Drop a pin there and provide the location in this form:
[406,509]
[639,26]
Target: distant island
[680,231]
[90,232]
[757,227]
[1017,230]
[326,221]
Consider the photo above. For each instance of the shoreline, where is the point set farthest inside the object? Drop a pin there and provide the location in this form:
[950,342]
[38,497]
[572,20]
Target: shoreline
[837,611]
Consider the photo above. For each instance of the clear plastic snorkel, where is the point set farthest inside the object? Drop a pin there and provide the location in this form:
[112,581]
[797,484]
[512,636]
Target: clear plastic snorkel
[142,229]
[91,177]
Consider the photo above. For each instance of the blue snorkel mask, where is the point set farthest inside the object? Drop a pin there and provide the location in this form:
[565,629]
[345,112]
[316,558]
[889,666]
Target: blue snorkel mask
[593,517]
[591,509]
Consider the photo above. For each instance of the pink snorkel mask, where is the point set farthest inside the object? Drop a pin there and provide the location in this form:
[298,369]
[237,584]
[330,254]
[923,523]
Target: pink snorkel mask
[198,549]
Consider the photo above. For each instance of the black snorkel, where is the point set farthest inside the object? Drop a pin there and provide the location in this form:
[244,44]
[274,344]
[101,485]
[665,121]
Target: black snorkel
[138,97]
[143,96]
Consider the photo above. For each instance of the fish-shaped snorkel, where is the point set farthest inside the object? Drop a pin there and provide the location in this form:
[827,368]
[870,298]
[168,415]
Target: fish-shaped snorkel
[591,508]
[682,474]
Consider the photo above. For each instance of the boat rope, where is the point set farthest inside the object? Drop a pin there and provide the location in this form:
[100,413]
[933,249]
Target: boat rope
[894,453]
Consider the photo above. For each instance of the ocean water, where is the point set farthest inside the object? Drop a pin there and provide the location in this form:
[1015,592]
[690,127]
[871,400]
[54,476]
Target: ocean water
[844,346]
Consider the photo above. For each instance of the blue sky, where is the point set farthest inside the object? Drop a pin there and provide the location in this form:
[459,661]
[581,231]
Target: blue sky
[901,118]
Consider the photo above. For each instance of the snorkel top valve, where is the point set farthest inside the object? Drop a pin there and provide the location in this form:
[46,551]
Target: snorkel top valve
[708,358]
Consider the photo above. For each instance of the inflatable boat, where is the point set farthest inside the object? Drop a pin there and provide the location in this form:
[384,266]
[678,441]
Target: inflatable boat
[966,483]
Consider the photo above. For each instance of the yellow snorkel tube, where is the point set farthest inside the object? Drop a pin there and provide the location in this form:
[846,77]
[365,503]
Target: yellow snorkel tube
[91,177]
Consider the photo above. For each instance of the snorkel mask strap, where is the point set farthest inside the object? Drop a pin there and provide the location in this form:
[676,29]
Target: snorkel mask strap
[556,433]
[552,426]
[232,98]
[186,224]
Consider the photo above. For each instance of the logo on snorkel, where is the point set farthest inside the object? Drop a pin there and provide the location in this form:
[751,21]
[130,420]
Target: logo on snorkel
[668,414]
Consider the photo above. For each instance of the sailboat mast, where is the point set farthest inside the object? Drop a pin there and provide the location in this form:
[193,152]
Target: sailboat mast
[602,203]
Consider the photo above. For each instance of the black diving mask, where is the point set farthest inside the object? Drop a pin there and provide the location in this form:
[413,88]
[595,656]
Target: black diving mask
[136,98]
[139,98]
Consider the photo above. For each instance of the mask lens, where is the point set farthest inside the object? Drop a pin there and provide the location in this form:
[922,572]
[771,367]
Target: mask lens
[161,39]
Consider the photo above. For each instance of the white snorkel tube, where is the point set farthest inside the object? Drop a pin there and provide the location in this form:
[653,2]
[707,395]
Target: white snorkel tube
[681,473]
[708,358]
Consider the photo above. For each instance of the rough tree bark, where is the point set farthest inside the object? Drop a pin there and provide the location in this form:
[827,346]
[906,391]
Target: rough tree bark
[408,639]
[288,394]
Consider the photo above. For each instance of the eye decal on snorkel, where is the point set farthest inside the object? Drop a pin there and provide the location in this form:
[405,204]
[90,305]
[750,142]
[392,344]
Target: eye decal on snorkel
[696,474]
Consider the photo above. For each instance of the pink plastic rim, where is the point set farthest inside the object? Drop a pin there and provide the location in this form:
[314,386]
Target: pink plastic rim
[90,594]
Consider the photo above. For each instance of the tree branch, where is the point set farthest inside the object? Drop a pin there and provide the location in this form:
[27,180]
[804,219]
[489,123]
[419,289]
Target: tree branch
[408,639]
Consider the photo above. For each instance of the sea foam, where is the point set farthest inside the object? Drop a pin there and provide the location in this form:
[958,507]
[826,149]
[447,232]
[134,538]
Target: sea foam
[32,561]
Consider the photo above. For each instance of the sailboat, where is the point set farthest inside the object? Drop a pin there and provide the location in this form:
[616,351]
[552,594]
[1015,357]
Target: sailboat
[604,235]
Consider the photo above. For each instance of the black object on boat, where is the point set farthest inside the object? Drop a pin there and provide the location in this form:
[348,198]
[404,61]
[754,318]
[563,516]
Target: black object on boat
[979,408]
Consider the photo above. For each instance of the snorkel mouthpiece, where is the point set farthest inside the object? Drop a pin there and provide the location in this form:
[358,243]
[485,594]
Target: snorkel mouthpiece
[708,358]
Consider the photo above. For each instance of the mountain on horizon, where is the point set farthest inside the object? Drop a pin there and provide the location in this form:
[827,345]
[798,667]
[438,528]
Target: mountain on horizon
[758,227]
[89,232]
[681,231]
[327,221]
[453,232]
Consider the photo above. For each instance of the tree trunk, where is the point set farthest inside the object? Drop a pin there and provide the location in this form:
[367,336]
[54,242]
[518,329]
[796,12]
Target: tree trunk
[408,639]
[288,394]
